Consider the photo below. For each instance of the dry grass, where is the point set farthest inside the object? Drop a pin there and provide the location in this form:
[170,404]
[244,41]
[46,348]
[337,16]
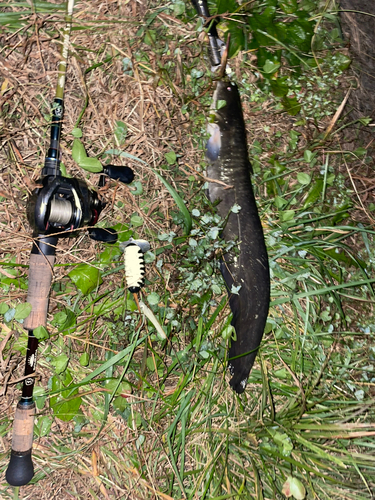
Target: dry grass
[112,465]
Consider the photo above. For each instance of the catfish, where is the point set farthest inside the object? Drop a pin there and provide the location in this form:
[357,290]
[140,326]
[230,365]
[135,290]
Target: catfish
[246,270]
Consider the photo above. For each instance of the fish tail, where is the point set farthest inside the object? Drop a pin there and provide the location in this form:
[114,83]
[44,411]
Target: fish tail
[250,310]
[239,368]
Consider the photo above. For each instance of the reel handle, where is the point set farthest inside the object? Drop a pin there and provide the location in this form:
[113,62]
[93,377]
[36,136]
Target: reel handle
[119,173]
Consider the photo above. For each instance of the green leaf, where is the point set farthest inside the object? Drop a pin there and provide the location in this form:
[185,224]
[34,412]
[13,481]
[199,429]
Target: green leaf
[264,20]
[136,220]
[279,86]
[279,201]
[303,178]
[343,61]
[153,299]
[314,193]
[266,58]
[113,385]
[76,132]
[121,131]
[365,121]
[22,311]
[291,105]
[150,37]
[271,67]
[288,6]
[64,408]
[60,363]
[120,403]
[86,278]
[360,151]
[123,232]
[64,173]
[227,333]
[41,333]
[59,318]
[300,33]
[3,307]
[43,426]
[294,488]
[110,254]
[78,151]
[69,323]
[179,202]
[283,442]
[237,38]
[221,103]
[39,395]
[341,256]
[134,420]
[91,165]
[171,157]
[138,188]
[287,215]
[84,359]
[178,8]
[224,6]
[308,156]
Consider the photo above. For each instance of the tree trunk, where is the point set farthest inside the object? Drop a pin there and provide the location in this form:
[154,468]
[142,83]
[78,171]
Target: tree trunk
[359,29]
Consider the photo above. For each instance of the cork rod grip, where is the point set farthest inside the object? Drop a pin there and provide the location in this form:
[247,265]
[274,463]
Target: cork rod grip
[20,469]
[40,278]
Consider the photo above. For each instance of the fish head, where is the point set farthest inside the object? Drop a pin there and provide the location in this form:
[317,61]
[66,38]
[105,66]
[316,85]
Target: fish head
[226,103]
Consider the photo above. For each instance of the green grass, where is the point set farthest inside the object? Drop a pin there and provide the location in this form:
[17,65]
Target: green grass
[156,417]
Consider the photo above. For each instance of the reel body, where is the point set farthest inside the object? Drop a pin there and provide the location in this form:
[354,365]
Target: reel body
[62,205]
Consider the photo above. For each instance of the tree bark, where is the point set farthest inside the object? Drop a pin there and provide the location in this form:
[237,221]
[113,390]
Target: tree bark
[359,29]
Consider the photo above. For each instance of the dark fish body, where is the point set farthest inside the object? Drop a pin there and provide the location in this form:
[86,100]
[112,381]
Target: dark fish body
[248,268]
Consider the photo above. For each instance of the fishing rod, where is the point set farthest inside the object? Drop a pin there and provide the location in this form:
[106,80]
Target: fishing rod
[56,209]
[216,45]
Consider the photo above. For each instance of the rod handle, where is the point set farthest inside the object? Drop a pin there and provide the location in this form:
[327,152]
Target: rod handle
[40,278]
[20,469]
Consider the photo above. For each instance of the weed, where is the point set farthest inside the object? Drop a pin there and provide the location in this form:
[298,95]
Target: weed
[122,411]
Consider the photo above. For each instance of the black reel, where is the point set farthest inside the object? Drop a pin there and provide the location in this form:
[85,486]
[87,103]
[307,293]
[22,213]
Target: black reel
[63,205]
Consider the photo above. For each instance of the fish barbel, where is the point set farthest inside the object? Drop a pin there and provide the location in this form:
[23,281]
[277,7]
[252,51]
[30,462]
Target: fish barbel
[248,269]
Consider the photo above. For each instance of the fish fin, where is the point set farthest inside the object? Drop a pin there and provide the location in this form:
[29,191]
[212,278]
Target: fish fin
[214,142]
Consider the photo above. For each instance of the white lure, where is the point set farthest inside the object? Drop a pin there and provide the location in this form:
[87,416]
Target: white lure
[135,263]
